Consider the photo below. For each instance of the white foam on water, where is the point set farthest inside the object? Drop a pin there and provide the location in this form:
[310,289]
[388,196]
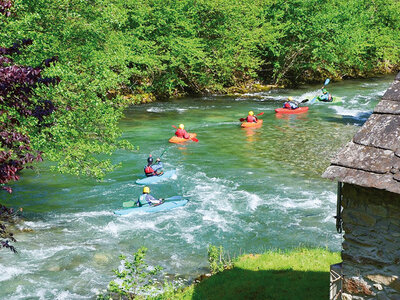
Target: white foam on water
[89,214]
[188,237]
[66,295]
[329,219]
[47,252]
[143,222]
[308,95]
[302,203]
[340,110]
[214,218]
[176,260]
[163,109]
[253,200]
[369,84]
[10,272]
[111,228]
[45,293]
[38,225]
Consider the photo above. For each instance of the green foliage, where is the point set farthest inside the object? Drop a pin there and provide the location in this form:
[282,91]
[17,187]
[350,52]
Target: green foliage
[135,279]
[334,38]
[86,121]
[217,259]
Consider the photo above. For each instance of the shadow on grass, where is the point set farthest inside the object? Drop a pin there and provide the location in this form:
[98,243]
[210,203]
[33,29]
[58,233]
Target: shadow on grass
[272,284]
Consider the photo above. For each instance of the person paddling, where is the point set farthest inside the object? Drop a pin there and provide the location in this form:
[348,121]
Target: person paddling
[181,132]
[291,104]
[153,169]
[326,96]
[251,118]
[147,199]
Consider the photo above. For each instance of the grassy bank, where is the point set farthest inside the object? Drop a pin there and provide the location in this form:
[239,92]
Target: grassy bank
[297,274]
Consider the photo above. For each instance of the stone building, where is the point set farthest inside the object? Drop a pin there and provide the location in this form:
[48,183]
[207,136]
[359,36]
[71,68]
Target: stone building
[368,173]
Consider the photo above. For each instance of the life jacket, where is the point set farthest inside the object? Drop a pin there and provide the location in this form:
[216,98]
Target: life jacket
[290,105]
[182,133]
[148,170]
[142,201]
[251,119]
[325,98]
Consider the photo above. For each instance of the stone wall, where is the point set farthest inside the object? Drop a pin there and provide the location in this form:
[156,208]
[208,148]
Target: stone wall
[371,247]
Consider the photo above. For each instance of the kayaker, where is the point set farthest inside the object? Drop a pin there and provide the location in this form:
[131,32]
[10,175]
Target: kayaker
[181,132]
[251,118]
[147,199]
[153,169]
[290,103]
[326,96]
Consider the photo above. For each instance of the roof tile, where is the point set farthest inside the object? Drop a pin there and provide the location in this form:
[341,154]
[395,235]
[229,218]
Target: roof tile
[388,107]
[393,92]
[381,131]
[365,158]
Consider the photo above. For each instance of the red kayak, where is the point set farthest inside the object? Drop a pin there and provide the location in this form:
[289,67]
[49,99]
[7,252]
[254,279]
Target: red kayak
[291,111]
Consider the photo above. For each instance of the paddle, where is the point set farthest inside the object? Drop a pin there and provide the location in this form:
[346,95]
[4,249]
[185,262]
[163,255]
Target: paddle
[132,203]
[243,119]
[174,198]
[193,138]
[325,83]
[162,153]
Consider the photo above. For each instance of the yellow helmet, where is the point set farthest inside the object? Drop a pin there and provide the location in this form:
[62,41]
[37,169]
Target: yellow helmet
[146,190]
[290,98]
[181,126]
[251,113]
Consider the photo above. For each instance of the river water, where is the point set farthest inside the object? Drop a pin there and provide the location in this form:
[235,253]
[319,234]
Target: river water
[250,190]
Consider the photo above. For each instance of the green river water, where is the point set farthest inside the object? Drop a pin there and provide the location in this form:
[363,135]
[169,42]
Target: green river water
[250,190]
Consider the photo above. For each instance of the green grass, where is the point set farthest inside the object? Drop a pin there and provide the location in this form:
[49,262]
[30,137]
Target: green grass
[297,274]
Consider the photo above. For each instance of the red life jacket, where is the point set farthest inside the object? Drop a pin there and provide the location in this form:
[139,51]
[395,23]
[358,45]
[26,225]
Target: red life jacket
[181,133]
[251,119]
[148,171]
[287,105]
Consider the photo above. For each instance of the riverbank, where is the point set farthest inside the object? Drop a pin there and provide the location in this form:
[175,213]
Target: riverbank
[250,87]
[296,274]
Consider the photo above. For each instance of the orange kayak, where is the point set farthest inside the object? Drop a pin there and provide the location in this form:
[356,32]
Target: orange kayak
[178,140]
[252,125]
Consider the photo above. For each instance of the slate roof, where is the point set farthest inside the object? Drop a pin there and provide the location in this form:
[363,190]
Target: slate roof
[372,158]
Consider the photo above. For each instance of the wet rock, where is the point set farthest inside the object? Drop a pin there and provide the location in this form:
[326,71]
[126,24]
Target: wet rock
[101,258]
[54,269]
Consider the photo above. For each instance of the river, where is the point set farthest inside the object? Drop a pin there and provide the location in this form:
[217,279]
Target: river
[250,190]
